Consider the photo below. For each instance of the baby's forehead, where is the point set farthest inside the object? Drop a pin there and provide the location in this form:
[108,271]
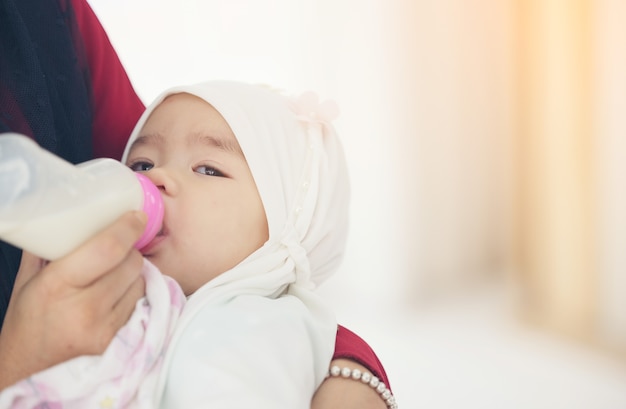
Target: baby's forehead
[184,118]
[259,118]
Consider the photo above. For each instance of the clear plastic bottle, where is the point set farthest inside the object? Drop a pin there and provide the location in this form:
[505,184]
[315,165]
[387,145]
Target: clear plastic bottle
[49,206]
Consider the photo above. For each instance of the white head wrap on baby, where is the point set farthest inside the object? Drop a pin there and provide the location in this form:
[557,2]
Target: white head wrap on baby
[299,168]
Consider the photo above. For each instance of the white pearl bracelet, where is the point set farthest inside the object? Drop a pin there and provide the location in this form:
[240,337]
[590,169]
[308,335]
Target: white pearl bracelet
[368,379]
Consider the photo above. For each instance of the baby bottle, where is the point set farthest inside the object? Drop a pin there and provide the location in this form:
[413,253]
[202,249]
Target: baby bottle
[49,206]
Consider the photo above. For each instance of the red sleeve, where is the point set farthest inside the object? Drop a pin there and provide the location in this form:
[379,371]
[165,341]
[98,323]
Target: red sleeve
[117,106]
[349,345]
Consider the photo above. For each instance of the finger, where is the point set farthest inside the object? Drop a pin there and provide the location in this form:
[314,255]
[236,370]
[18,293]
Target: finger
[112,286]
[122,310]
[125,306]
[30,265]
[103,252]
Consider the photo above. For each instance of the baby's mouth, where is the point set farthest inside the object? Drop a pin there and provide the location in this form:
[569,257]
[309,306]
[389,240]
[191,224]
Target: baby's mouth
[148,250]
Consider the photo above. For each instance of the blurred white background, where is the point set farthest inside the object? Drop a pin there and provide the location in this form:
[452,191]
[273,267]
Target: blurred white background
[486,261]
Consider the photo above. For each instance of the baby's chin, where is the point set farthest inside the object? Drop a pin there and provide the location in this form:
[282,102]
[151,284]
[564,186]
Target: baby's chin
[159,264]
[189,289]
[186,284]
[190,276]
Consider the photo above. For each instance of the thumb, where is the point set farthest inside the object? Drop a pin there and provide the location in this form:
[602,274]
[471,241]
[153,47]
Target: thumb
[30,265]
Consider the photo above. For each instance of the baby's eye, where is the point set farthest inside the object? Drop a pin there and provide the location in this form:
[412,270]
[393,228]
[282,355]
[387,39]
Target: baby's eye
[141,166]
[208,171]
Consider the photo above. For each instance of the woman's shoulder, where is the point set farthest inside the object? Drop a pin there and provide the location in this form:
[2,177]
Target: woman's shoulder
[117,107]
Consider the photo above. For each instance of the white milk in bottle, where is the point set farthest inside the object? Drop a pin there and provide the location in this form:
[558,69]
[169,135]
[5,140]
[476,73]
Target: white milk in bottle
[49,206]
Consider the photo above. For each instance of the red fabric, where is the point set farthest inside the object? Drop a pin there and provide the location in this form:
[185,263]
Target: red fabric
[350,346]
[117,107]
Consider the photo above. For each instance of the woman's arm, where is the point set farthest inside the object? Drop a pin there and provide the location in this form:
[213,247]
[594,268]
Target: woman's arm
[340,393]
[351,351]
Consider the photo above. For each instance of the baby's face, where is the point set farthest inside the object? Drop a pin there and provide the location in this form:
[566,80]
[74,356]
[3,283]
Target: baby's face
[214,217]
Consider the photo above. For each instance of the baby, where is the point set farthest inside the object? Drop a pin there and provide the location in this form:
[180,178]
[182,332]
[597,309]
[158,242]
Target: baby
[256,196]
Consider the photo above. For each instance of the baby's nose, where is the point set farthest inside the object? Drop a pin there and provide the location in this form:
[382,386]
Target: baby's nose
[164,180]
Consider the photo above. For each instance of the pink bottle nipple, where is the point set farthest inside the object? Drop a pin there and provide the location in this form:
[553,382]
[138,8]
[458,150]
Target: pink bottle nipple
[153,207]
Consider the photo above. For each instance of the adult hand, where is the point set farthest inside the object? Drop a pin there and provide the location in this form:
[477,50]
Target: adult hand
[74,305]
